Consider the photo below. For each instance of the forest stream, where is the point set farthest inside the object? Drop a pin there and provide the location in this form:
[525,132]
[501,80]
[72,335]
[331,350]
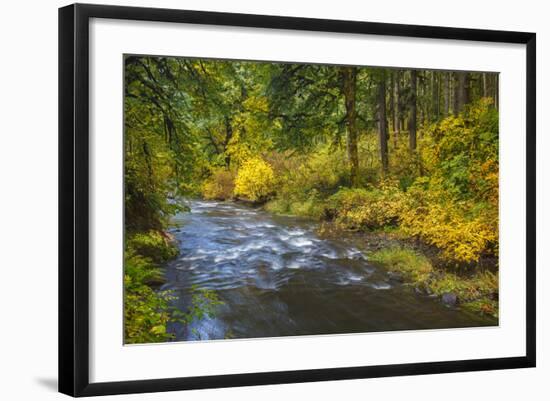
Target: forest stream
[277,277]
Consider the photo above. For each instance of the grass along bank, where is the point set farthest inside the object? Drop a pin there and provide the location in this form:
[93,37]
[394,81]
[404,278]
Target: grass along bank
[476,291]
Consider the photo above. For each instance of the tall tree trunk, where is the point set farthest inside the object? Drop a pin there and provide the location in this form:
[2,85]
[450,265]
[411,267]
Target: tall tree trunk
[426,96]
[484,79]
[391,103]
[496,91]
[228,136]
[425,89]
[435,96]
[463,89]
[402,105]
[456,96]
[397,122]
[420,98]
[446,93]
[382,124]
[147,155]
[467,89]
[349,75]
[412,119]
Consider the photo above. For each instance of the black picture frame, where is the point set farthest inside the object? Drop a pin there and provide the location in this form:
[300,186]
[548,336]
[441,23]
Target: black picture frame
[74,198]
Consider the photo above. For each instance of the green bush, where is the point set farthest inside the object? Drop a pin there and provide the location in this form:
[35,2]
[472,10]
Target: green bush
[322,172]
[373,208]
[146,311]
[312,206]
[155,245]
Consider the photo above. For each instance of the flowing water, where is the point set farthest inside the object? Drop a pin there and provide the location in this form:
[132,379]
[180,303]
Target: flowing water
[276,277]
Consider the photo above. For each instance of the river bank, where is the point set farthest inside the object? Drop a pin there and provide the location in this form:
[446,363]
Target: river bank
[422,268]
[146,307]
[277,275]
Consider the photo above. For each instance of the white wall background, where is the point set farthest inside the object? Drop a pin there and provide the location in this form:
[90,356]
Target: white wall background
[28,199]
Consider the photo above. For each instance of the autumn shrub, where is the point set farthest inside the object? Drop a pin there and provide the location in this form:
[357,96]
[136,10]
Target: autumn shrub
[464,152]
[369,161]
[255,180]
[405,165]
[278,206]
[455,206]
[345,202]
[312,206]
[303,182]
[444,193]
[371,208]
[282,163]
[323,171]
[460,229]
[220,185]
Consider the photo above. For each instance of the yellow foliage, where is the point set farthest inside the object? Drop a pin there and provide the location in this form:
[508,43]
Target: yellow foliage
[372,208]
[255,180]
[456,208]
[462,230]
[256,104]
[445,193]
[238,149]
[448,224]
[321,171]
[250,131]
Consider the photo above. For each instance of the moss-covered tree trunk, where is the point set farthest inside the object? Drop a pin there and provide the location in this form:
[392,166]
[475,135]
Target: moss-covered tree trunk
[228,136]
[349,75]
[397,125]
[463,90]
[382,125]
[446,93]
[412,123]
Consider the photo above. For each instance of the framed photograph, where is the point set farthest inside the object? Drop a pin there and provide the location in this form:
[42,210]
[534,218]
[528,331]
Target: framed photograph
[249,199]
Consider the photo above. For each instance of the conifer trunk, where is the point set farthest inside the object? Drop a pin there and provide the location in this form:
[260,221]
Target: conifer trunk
[349,88]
